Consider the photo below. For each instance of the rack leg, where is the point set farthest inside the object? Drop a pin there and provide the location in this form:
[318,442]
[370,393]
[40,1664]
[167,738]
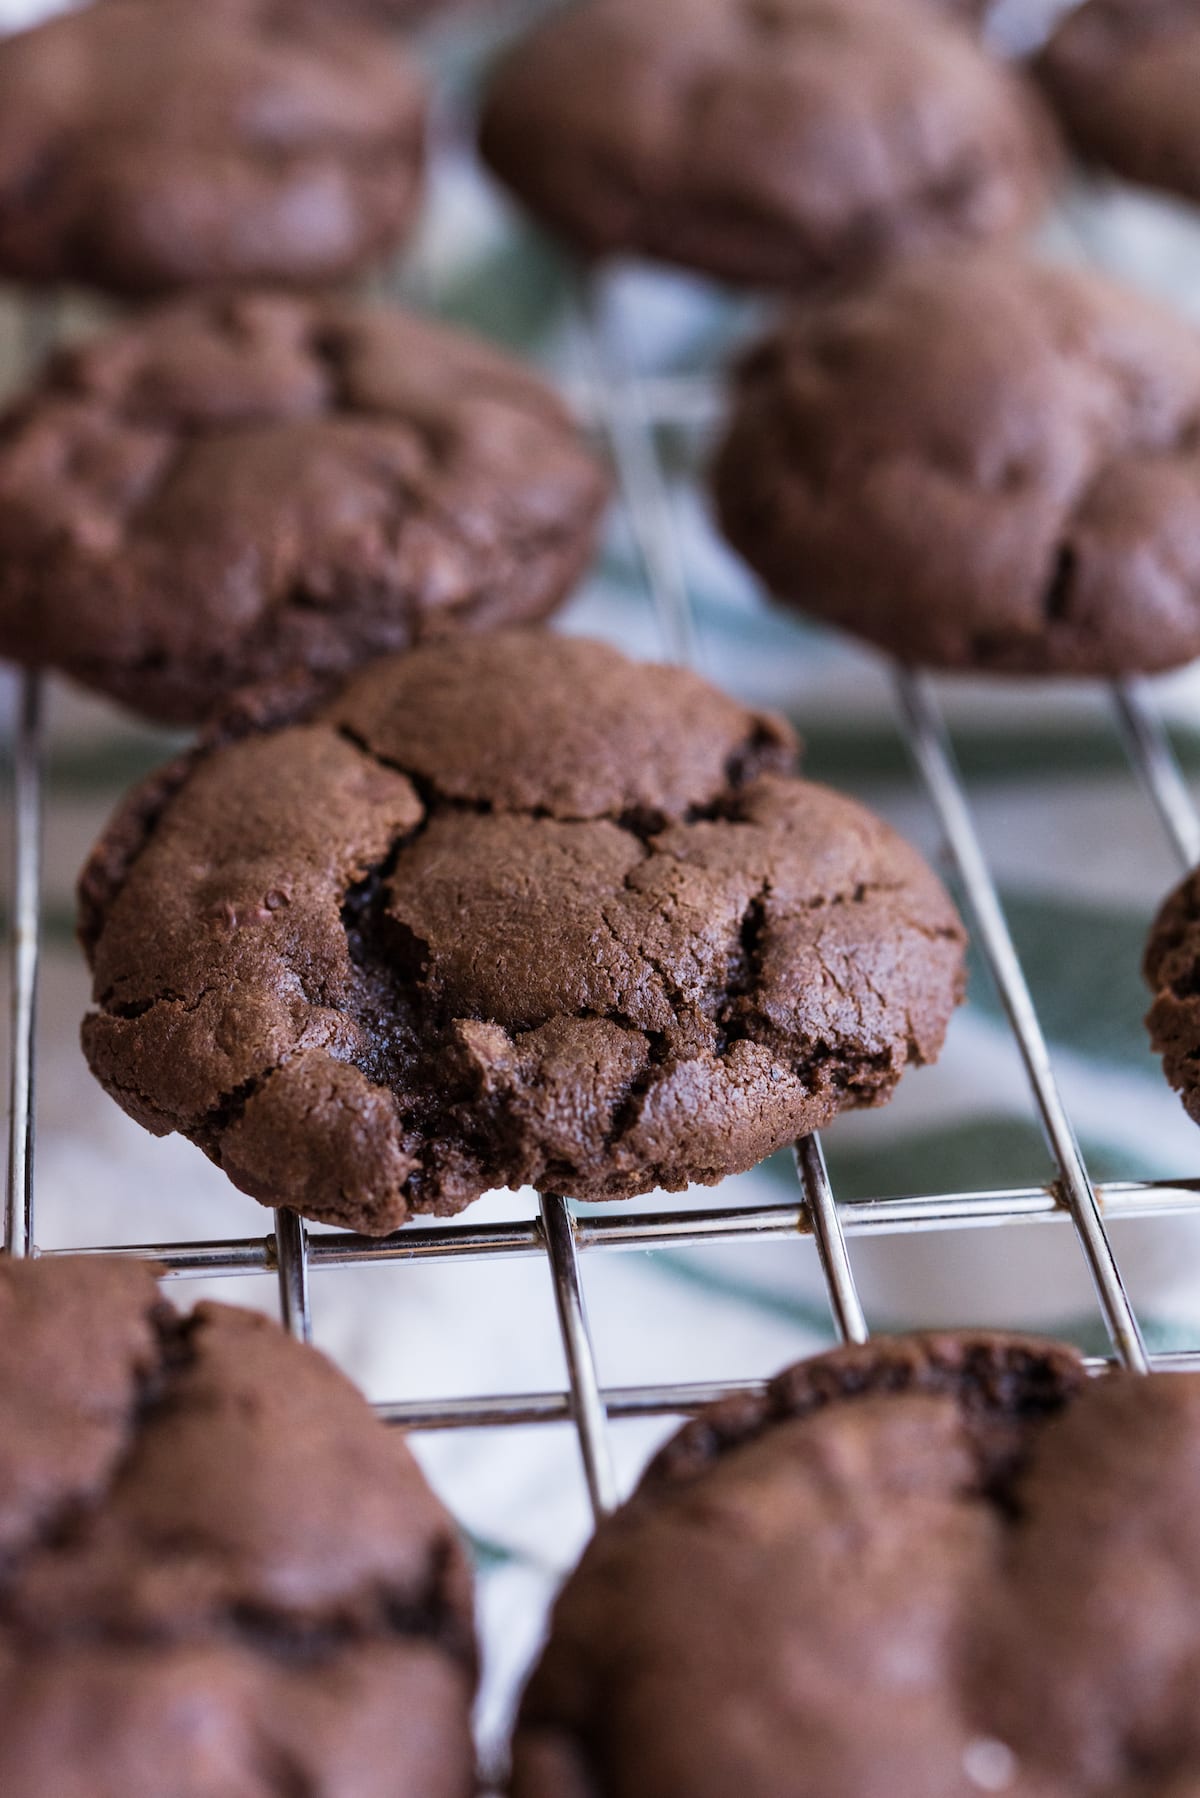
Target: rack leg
[848,1318]
[26,925]
[931,749]
[1157,766]
[620,402]
[291,1255]
[587,1405]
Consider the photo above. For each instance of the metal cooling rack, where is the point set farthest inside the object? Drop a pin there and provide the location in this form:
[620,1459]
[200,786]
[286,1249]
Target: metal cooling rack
[627,409]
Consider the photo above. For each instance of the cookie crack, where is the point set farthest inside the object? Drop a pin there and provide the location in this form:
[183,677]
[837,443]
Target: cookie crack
[130,1009]
[229,1108]
[68,1521]
[412,1031]
[754,756]
[1056,594]
[327,346]
[627,1114]
[332,346]
[432,797]
[743,978]
[1025,1382]
[843,1068]
[291,700]
[1058,587]
[377,1612]
[282,1772]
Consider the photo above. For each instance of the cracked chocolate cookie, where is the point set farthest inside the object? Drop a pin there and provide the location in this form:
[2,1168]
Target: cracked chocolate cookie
[222,1578]
[150,145]
[224,489]
[771,142]
[506,911]
[978,462]
[932,1567]
[1172,970]
[1123,77]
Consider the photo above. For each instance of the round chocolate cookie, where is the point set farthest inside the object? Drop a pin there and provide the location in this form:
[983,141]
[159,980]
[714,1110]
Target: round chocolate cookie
[932,1567]
[1123,77]
[158,144]
[223,489]
[978,462]
[222,1577]
[506,911]
[777,142]
[1172,970]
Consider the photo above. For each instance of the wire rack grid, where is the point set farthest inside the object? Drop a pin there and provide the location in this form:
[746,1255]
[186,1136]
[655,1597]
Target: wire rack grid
[627,408]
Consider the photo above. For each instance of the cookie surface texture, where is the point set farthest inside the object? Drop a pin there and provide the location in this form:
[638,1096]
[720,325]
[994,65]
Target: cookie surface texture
[982,463]
[1172,970]
[222,1576]
[925,1568]
[778,143]
[509,910]
[151,145]
[223,490]
[1123,76]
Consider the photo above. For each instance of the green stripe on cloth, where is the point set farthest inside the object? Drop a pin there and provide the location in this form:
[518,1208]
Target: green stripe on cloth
[697,1269]
[1083,964]
[974,1156]
[857,754]
[521,298]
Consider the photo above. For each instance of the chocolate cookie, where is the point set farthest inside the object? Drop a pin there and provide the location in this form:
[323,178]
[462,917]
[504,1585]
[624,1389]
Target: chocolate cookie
[776,142]
[1172,970]
[223,489]
[928,1568]
[221,1576]
[1123,76]
[158,144]
[506,911]
[978,462]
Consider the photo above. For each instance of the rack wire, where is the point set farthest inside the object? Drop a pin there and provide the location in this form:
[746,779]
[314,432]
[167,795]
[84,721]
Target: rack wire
[628,409]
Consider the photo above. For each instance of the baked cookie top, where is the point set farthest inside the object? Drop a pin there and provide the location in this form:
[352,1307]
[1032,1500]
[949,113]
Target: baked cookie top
[225,488]
[158,144]
[926,1568]
[220,1573]
[978,462]
[1123,76]
[506,911]
[769,142]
